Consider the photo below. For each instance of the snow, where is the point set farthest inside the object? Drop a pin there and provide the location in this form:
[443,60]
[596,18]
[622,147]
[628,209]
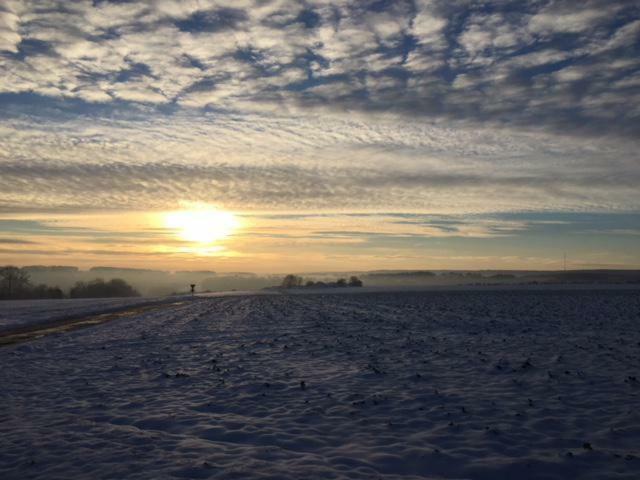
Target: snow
[19,314]
[414,385]
[27,313]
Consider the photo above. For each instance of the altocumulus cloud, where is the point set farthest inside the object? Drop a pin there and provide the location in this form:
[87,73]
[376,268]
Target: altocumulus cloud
[424,105]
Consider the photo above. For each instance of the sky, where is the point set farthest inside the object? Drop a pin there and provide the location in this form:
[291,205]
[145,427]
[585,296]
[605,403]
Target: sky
[320,135]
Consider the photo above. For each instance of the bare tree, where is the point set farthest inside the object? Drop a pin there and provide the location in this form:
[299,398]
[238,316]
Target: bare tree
[291,281]
[98,288]
[14,282]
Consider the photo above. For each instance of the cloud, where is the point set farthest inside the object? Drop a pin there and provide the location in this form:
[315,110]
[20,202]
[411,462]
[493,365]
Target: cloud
[44,228]
[262,162]
[15,241]
[405,57]
[552,20]
[446,107]
[84,252]
[494,32]
[9,36]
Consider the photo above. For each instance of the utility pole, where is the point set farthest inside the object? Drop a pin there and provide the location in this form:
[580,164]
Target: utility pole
[564,261]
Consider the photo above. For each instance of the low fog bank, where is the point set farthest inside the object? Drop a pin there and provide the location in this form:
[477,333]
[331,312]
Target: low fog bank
[499,277]
[152,283]
[158,283]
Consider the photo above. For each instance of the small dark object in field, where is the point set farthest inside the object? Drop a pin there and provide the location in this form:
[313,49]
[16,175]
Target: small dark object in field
[587,446]
[303,385]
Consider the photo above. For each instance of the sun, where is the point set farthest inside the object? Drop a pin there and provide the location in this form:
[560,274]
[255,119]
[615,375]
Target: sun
[202,226]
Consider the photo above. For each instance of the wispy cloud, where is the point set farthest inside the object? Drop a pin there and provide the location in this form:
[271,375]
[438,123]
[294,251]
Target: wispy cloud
[15,241]
[266,162]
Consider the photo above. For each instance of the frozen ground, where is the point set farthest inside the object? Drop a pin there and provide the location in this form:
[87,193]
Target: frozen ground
[21,313]
[465,384]
[15,314]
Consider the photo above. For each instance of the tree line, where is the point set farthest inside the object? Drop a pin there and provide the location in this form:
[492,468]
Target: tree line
[15,284]
[295,281]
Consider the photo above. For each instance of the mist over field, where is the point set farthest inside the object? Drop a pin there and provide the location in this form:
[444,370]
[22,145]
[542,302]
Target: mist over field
[153,282]
[157,282]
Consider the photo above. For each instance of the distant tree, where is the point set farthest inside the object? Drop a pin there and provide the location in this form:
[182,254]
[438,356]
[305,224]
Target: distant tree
[14,283]
[44,291]
[288,281]
[291,281]
[55,292]
[355,282]
[502,276]
[79,290]
[98,288]
[341,282]
[310,283]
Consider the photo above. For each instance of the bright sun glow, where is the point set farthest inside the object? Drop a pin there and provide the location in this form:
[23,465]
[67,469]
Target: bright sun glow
[202,226]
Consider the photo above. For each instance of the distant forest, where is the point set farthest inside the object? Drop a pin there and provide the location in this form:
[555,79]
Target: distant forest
[70,282]
[151,283]
[295,281]
[15,284]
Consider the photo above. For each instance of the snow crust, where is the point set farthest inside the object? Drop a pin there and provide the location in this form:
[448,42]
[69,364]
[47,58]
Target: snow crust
[414,385]
[22,313]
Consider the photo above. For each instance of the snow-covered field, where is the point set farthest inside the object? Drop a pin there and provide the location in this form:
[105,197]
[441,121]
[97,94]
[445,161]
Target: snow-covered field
[18,314]
[22,313]
[462,384]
